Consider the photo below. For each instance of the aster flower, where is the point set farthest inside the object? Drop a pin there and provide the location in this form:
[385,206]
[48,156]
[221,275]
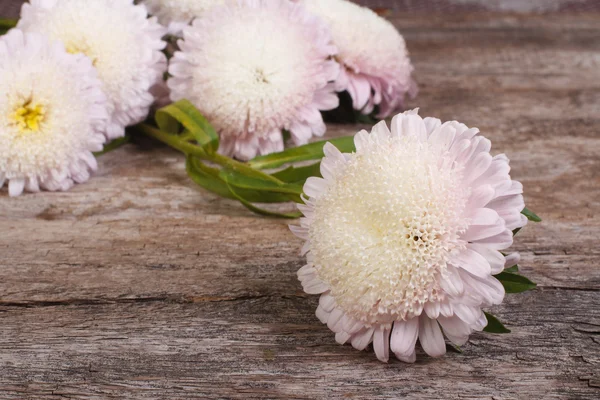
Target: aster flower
[403,236]
[376,67]
[52,114]
[123,44]
[176,14]
[255,68]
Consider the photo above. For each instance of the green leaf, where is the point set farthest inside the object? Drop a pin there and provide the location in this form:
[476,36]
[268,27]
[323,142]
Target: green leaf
[298,175]
[312,151]
[514,269]
[531,215]
[514,283]
[115,144]
[243,181]
[184,113]
[6,25]
[262,211]
[208,178]
[516,231]
[494,325]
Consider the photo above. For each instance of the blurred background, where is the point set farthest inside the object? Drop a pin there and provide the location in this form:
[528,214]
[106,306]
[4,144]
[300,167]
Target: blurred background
[10,8]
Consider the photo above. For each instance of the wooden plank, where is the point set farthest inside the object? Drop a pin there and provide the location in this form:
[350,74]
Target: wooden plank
[272,347]
[140,285]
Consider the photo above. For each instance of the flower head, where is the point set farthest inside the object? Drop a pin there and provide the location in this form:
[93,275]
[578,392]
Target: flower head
[255,68]
[406,233]
[176,14]
[377,69]
[52,114]
[123,44]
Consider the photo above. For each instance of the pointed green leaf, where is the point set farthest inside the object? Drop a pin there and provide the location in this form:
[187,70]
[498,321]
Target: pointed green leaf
[494,325]
[299,175]
[514,269]
[113,145]
[514,283]
[312,151]
[262,211]
[531,215]
[241,181]
[184,113]
[208,178]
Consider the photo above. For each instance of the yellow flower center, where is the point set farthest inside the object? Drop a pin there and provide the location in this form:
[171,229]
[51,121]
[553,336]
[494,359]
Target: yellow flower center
[29,117]
[80,48]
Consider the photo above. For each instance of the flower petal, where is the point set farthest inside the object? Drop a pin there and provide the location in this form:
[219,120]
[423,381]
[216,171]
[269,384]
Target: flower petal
[404,336]
[381,343]
[431,338]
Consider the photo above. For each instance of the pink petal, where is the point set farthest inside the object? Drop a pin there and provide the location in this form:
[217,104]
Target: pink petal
[404,336]
[381,343]
[431,337]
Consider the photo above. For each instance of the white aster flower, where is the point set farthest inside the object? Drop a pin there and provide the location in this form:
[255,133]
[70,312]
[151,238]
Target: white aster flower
[255,68]
[176,14]
[52,114]
[124,45]
[377,69]
[403,236]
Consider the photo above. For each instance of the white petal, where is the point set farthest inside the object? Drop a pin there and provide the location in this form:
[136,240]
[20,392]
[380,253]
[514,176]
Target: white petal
[15,187]
[512,259]
[455,329]
[432,309]
[409,125]
[380,132]
[451,282]
[334,320]
[431,124]
[480,232]
[404,336]
[431,337]
[314,186]
[381,343]
[501,241]
[483,216]
[315,287]
[299,231]
[494,257]
[467,313]
[480,197]
[351,325]
[327,302]
[408,359]
[322,315]
[471,261]
[342,337]
[361,139]
[361,340]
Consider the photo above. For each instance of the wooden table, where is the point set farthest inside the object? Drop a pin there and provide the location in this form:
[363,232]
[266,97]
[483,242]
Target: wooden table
[138,285]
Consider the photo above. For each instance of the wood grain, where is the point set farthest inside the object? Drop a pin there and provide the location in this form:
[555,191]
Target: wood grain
[138,285]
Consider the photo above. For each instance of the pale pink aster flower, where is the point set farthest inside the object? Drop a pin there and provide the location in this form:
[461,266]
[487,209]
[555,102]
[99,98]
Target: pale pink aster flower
[376,67]
[122,42]
[255,68]
[53,114]
[403,236]
[176,14]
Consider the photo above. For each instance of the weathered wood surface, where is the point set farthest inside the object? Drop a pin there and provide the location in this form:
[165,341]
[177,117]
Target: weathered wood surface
[138,285]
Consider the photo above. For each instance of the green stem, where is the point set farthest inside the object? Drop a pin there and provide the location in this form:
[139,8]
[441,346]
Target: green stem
[173,141]
[180,143]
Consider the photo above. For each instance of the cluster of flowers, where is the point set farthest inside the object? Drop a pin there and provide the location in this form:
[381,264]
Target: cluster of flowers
[77,73]
[403,233]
